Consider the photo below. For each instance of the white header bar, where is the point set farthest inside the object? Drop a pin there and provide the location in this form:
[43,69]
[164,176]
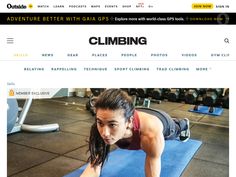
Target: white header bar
[118,6]
[114,43]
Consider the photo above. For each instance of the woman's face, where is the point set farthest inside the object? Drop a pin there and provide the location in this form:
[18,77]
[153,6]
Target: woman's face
[111,125]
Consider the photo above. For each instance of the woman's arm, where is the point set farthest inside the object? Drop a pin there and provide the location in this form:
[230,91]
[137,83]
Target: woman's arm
[91,171]
[153,143]
[152,167]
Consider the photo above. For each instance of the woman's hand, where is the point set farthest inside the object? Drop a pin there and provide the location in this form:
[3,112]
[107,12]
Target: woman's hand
[91,171]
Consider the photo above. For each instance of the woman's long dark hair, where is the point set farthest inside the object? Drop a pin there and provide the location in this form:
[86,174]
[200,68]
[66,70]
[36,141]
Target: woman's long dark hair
[113,99]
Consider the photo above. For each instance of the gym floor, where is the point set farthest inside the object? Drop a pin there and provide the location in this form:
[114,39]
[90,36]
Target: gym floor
[56,154]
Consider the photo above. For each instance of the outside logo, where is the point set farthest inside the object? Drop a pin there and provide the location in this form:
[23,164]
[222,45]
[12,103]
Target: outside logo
[19,6]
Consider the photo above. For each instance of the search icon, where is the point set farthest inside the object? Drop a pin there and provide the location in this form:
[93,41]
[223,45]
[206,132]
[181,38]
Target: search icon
[226,40]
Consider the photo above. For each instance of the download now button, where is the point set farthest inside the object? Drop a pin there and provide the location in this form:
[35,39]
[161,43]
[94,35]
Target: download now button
[202,6]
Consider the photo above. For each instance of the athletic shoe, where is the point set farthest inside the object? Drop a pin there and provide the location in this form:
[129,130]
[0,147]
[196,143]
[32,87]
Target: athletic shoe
[185,134]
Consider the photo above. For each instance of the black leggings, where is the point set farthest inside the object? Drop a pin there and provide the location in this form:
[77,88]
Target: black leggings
[172,126]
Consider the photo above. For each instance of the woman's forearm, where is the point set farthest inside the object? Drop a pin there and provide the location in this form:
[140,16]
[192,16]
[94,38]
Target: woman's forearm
[91,171]
[152,167]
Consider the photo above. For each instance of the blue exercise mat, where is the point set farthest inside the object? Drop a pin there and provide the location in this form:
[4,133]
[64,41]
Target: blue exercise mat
[205,110]
[130,163]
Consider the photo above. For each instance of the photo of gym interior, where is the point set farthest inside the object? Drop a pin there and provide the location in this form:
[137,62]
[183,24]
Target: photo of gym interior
[49,137]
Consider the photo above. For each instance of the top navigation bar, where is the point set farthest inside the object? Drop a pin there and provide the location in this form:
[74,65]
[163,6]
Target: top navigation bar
[117,18]
[140,6]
